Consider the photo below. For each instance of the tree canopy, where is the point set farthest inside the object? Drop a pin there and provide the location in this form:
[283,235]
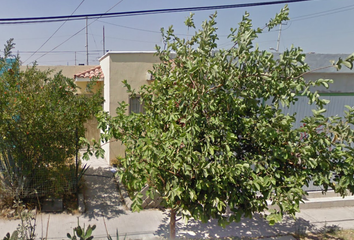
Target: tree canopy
[41,117]
[213,138]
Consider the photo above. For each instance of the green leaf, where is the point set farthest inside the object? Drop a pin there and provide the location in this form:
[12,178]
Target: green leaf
[274,218]
[79,231]
[348,64]
[88,232]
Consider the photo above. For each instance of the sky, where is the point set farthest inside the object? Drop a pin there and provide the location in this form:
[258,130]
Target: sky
[319,26]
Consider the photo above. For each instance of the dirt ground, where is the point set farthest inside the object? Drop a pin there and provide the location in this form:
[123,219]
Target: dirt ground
[329,235]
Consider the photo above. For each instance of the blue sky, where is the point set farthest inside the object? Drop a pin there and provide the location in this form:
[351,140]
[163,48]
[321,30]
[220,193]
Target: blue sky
[331,31]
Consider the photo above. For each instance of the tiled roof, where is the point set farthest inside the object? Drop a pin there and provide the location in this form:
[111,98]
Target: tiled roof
[93,72]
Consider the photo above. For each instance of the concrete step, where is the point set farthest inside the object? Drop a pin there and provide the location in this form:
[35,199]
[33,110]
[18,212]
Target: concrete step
[320,194]
[328,202]
[316,199]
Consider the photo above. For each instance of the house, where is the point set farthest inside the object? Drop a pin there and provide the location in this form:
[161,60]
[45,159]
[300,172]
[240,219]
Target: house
[133,67]
[116,67]
[113,69]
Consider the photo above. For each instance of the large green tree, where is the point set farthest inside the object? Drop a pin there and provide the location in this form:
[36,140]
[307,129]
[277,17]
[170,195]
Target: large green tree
[213,136]
[41,119]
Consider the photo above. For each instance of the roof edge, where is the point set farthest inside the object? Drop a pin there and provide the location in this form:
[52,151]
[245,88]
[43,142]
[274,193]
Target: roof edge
[125,52]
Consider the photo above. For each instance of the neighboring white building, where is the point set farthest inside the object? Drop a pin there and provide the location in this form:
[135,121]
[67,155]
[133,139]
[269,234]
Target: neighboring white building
[340,93]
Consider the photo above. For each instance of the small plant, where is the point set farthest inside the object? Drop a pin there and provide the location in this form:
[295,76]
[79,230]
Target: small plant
[109,237]
[81,233]
[329,229]
[300,230]
[26,230]
[117,236]
[14,236]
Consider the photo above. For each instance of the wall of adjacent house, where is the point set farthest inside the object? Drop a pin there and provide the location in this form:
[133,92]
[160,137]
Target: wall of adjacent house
[67,71]
[342,82]
[130,66]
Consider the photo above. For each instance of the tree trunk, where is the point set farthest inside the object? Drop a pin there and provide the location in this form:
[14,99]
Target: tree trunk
[173,224]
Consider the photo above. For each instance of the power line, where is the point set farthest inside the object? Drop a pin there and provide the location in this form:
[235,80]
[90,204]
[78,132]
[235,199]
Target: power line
[54,32]
[61,51]
[142,12]
[323,13]
[126,39]
[114,6]
[62,43]
[133,28]
[142,30]
[77,32]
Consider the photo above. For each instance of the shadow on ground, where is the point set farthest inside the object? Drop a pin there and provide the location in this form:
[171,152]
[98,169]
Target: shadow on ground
[102,198]
[256,227]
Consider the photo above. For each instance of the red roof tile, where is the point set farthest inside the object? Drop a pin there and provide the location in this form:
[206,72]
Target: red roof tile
[93,72]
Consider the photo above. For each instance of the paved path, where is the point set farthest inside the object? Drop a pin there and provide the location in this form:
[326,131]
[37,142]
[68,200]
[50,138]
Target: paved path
[102,198]
[103,201]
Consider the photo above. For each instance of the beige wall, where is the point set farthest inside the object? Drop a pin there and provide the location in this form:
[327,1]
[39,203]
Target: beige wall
[132,67]
[67,71]
[83,87]
[91,130]
[120,66]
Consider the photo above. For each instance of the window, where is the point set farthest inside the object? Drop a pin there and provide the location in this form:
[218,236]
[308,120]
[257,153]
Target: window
[135,106]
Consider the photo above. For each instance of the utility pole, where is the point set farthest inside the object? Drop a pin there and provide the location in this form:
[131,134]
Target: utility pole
[104,42]
[75,58]
[279,34]
[87,55]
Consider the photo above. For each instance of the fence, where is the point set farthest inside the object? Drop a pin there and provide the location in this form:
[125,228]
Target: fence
[41,181]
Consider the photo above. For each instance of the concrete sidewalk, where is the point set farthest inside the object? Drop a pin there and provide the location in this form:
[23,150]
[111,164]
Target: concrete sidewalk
[150,224]
[104,208]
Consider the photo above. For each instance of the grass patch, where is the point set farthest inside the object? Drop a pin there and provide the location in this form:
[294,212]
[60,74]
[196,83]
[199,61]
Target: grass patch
[329,233]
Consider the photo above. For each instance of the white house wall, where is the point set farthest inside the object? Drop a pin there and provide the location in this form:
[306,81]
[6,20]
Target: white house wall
[105,66]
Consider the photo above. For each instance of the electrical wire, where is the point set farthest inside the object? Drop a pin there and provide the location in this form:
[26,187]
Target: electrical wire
[142,12]
[145,30]
[323,13]
[62,43]
[77,32]
[133,13]
[126,39]
[54,32]
[298,18]
[133,28]
[61,51]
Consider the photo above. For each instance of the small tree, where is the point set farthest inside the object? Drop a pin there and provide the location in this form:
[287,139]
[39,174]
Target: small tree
[41,118]
[213,136]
